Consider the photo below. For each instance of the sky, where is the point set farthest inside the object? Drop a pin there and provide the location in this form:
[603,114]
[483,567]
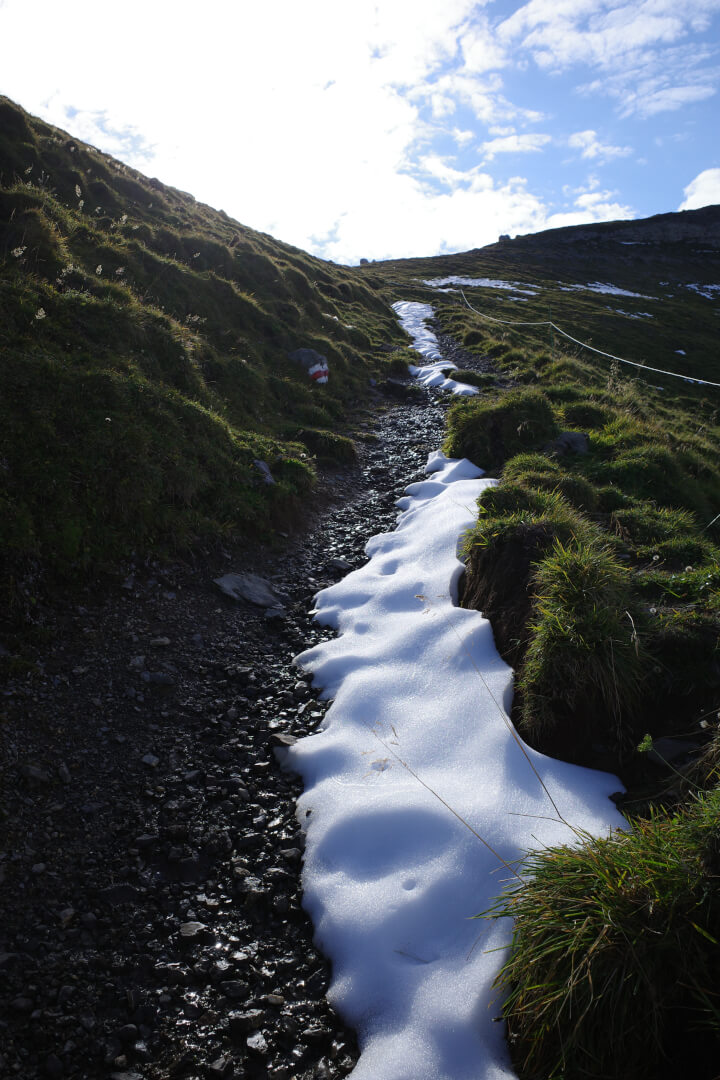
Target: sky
[388,128]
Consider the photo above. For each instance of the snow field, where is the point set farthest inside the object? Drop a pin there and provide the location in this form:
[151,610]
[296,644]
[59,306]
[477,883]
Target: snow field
[392,877]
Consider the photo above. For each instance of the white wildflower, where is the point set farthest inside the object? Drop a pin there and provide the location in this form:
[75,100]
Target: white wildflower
[78,192]
[98,268]
[18,251]
[40,313]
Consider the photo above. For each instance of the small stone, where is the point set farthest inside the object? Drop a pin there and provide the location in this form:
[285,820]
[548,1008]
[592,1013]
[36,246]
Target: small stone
[147,840]
[160,642]
[39,868]
[341,564]
[22,1004]
[257,1042]
[264,470]
[240,1023]
[235,989]
[120,893]
[282,739]
[34,774]
[192,930]
[151,761]
[64,773]
[137,664]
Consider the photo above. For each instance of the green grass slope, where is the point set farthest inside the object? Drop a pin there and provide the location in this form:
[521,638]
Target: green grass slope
[144,342]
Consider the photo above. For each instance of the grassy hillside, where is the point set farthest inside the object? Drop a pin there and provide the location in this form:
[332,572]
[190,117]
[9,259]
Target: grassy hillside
[145,367]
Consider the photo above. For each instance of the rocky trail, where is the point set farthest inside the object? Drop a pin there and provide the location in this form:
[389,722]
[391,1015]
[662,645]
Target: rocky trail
[151,914]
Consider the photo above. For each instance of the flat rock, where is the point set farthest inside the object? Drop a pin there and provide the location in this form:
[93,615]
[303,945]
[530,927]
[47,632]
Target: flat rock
[250,587]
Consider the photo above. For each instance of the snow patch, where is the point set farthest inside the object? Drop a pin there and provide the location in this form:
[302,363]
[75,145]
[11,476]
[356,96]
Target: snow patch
[709,292]
[632,314]
[481,283]
[604,287]
[412,318]
[391,877]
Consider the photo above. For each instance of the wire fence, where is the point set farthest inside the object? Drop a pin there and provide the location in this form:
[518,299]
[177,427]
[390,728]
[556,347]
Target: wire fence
[584,345]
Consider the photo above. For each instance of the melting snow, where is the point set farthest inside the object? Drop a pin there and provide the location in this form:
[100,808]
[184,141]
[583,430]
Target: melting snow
[710,292]
[632,314]
[391,877]
[412,319]
[484,283]
[603,287]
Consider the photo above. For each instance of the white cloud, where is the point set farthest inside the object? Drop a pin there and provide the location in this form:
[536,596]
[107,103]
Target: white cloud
[704,190]
[514,144]
[641,47]
[590,146]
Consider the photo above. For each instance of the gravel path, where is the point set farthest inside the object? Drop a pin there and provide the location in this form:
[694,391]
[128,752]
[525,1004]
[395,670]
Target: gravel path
[150,912]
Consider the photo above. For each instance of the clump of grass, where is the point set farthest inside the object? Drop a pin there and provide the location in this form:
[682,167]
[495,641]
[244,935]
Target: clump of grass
[539,471]
[491,431]
[481,379]
[328,446]
[582,670]
[614,967]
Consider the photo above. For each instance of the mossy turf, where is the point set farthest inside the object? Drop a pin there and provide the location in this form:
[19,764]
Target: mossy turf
[144,363]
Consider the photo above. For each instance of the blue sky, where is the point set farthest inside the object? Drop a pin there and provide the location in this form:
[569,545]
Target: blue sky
[388,128]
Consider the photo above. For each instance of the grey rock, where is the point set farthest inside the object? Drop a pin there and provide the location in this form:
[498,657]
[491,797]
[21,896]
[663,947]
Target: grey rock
[341,564]
[22,1004]
[235,989]
[250,587]
[264,470]
[276,613]
[34,774]
[122,893]
[257,1042]
[240,1023]
[570,442]
[158,678]
[151,761]
[193,930]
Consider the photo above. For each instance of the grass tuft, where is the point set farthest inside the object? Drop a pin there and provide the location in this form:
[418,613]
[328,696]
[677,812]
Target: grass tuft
[614,970]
